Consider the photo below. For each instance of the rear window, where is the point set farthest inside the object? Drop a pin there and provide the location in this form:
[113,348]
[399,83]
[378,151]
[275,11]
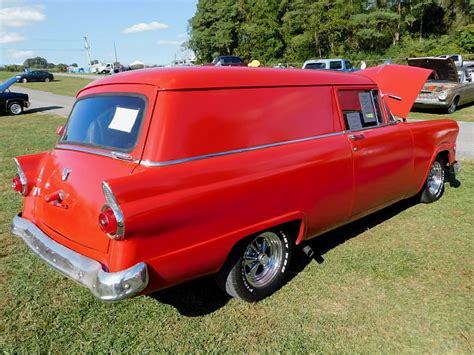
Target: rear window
[335,65]
[106,121]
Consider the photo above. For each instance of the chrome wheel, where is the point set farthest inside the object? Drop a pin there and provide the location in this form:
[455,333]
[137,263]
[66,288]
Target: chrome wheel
[262,259]
[24,80]
[46,80]
[15,109]
[435,179]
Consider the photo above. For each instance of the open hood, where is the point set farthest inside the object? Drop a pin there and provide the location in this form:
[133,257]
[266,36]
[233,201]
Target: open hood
[444,68]
[399,84]
[6,84]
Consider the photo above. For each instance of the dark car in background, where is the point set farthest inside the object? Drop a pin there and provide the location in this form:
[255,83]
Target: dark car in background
[36,75]
[228,60]
[12,102]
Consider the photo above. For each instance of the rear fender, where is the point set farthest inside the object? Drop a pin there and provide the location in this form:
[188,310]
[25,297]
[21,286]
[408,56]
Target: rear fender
[31,166]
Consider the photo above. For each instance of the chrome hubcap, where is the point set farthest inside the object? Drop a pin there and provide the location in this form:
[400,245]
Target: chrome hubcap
[15,108]
[435,178]
[262,259]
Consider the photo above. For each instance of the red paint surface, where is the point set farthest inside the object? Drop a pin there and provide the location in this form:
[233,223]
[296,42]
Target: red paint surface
[183,219]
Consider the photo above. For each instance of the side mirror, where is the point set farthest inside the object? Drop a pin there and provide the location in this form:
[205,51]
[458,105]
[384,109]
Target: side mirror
[60,131]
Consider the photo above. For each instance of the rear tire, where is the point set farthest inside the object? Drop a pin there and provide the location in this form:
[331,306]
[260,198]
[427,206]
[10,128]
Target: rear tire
[434,185]
[257,267]
[15,108]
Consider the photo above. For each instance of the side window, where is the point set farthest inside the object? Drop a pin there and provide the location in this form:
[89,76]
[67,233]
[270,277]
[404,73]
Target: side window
[348,65]
[335,65]
[360,109]
[390,117]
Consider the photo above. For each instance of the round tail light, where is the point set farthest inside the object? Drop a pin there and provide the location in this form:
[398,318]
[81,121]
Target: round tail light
[108,222]
[17,185]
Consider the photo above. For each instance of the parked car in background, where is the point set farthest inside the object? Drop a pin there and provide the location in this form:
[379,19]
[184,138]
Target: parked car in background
[229,61]
[329,64]
[444,88]
[36,75]
[12,103]
[457,59]
[303,153]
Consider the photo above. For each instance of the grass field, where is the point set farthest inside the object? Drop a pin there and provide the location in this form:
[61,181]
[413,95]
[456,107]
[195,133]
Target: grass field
[464,113]
[398,281]
[62,85]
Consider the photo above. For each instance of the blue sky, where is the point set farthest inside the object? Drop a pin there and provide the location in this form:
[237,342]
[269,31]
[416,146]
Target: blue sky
[151,31]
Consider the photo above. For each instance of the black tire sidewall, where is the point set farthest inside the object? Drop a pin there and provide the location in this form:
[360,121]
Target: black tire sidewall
[452,108]
[252,293]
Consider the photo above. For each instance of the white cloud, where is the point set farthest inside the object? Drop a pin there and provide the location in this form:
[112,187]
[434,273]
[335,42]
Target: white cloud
[140,27]
[10,37]
[21,16]
[19,54]
[163,42]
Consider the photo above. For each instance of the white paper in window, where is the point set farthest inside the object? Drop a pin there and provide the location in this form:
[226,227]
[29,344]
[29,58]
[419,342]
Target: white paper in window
[367,107]
[353,120]
[124,119]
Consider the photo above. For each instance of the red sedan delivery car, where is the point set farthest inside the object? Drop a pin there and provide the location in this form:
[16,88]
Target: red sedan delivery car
[161,176]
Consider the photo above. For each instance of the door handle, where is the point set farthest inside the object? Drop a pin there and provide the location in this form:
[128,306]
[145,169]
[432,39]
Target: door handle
[356,137]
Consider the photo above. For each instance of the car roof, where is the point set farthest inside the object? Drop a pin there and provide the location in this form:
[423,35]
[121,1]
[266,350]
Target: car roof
[179,78]
[323,60]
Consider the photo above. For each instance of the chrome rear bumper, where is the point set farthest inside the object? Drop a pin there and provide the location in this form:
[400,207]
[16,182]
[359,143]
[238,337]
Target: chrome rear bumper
[107,286]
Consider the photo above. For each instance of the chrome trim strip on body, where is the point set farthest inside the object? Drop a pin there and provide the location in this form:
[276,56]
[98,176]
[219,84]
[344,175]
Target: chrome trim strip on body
[111,154]
[235,151]
[106,286]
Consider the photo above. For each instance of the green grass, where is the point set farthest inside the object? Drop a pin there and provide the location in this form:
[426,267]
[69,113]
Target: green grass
[463,113]
[398,281]
[62,85]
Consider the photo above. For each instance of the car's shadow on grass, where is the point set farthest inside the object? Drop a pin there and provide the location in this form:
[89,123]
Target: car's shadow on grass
[202,296]
[42,109]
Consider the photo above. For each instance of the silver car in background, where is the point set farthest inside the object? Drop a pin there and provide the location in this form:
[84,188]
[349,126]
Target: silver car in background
[445,88]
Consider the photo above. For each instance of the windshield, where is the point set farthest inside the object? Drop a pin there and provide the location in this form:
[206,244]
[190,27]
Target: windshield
[106,121]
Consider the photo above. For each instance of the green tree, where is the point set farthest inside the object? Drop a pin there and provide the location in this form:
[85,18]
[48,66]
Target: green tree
[260,36]
[36,62]
[214,29]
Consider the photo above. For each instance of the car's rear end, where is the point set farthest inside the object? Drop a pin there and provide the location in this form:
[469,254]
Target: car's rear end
[70,217]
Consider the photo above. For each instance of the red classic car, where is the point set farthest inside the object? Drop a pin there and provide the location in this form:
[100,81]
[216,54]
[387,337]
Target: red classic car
[165,175]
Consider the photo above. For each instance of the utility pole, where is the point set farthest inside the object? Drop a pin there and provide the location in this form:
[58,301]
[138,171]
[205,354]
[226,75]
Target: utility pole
[88,50]
[115,51]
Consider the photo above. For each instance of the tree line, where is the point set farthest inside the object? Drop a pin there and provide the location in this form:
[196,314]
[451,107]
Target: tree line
[296,30]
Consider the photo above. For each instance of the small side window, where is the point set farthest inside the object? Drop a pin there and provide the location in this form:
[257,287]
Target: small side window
[390,117]
[360,109]
[335,65]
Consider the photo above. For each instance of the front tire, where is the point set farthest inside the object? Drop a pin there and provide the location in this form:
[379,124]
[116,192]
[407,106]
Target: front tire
[47,80]
[257,267]
[434,185]
[452,108]
[15,108]
[24,80]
